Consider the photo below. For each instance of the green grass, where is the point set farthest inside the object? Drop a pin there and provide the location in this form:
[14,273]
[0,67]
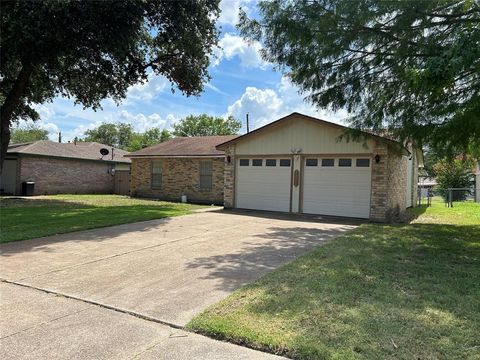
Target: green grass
[26,218]
[379,292]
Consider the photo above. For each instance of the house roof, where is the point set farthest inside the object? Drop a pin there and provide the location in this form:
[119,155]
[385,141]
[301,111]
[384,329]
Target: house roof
[320,121]
[80,150]
[186,147]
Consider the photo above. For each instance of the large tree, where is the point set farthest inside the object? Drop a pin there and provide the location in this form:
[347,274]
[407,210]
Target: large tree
[205,125]
[91,50]
[410,66]
[148,138]
[114,134]
[27,133]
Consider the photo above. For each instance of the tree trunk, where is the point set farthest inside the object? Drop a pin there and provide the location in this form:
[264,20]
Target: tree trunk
[8,107]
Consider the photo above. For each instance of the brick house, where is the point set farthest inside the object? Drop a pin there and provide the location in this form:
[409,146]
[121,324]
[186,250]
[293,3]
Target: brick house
[297,164]
[183,166]
[76,168]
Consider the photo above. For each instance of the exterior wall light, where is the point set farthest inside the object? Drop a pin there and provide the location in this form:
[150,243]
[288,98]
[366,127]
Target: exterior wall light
[377,158]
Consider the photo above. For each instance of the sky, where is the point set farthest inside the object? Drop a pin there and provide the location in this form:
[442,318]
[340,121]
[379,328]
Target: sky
[241,82]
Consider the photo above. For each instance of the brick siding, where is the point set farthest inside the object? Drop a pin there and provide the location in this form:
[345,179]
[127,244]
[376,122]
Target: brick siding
[229,177]
[180,176]
[56,176]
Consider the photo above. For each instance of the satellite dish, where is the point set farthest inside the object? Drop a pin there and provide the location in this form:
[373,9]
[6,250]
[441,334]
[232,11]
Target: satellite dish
[104,151]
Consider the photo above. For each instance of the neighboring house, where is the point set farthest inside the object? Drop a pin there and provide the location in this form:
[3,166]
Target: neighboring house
[299,164]
[189,166]
[77,168]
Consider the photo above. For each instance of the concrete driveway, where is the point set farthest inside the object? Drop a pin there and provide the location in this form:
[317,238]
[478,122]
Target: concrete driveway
[123,291]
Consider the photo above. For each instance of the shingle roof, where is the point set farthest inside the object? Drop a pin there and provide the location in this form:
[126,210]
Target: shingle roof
[186,146]
[80,150]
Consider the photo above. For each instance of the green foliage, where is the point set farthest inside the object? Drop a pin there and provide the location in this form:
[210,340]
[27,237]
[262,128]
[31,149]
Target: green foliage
[122,136]
[455,173]
[412,66]
[28,133]
[205,125]
[118,135]
[148,138]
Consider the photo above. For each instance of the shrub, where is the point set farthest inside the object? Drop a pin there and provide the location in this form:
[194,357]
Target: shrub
[454,173]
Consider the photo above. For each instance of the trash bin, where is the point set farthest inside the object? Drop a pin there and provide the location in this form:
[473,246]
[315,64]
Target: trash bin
[27,188]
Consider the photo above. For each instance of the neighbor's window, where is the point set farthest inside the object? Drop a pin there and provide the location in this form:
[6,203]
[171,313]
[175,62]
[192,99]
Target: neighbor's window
[311,162]
[244,162]
[345,162]
[285,162]
[328,162]
[363,162]
[271,162]
[257,162]
[156,175]
[206,172]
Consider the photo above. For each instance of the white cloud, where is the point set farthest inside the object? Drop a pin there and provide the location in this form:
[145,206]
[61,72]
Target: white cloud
[267,105]
[231,46]
[44,111]
[229,10]
[149,90]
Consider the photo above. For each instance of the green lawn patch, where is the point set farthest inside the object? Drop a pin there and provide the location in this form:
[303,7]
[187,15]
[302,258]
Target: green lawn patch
[26,218]
[379,292]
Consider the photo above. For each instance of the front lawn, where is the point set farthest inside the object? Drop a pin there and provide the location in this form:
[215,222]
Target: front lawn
[26,218]
[378,292]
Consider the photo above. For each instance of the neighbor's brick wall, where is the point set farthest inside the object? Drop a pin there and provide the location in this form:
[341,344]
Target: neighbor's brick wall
[389,181]
[229,177]
[180,176]
[56,176]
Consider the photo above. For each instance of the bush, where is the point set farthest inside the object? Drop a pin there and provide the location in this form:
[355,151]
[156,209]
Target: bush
[456,173]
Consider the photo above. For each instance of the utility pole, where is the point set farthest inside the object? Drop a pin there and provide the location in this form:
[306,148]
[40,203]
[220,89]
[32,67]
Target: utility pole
[248,125]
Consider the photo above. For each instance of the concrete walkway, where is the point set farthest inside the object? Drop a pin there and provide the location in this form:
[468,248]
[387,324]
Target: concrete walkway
[123,291]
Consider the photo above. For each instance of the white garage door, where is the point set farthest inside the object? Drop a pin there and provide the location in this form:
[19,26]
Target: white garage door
[263,184]
[337,186]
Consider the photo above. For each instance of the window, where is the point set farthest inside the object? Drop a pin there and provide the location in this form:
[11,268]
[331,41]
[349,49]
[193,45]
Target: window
[363,162]
[328,162]
[257,162]
[285,162]
[244,162]
[206,175]
[156,175]
[345,162]
[271,162]
[311,162]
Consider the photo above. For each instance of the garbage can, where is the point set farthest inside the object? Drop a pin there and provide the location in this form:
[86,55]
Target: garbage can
[27,188]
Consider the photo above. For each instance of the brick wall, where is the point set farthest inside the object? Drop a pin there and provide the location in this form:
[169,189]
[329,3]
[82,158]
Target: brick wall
[55,176]
[229,177]
[180,176]
[389,181]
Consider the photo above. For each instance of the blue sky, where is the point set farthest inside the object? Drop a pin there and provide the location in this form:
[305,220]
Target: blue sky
[241,83]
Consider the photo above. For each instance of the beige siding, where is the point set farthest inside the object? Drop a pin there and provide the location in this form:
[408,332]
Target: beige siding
[301,133]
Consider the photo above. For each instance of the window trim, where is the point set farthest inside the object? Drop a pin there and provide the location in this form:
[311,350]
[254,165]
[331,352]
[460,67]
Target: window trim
[240,162]
[254,160]
[160,173]
[208,176]
[345,166]
[274,162]
[328,166]
[362,166]
[289,162]
[315,160]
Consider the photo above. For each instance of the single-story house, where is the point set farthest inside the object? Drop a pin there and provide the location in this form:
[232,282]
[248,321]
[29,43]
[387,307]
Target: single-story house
[183,166]
[76,168]
[297,164]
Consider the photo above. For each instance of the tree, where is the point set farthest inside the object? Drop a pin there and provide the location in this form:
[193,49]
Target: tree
[28,133]
[410,66]
[204,125]
[148,138]
[117,135]
[91,50]
[456,173]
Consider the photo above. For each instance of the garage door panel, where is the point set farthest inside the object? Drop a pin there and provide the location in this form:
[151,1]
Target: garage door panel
[263,187]
[337,191]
